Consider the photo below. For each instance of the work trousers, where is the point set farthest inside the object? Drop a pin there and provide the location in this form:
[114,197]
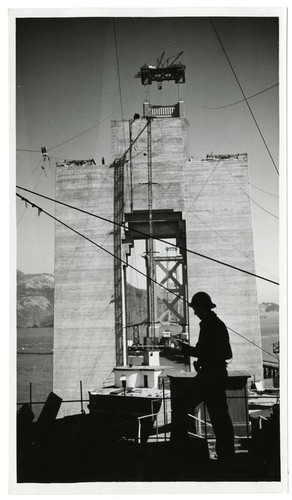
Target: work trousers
[211,390]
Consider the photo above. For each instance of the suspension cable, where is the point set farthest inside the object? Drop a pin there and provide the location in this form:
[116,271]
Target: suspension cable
[41,210]
[147,235]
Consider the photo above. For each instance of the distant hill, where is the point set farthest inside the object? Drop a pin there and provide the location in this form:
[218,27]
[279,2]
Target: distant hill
[136,304]
[35,300]
[266,307]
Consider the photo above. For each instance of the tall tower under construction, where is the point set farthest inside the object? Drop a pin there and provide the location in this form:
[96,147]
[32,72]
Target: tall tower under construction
[152,191]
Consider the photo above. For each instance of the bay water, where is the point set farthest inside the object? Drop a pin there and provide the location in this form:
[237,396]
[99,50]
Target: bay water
[35,359]
[34,365]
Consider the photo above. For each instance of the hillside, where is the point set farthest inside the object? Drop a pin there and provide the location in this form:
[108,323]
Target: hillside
[137,304]
[35,300]
[266,307]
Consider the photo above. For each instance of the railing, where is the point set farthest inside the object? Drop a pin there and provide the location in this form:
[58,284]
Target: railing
[167,110]
[154,417]
[151,415]
[31,402]
[155,420]
[163,413]
[206,424]
[162,110]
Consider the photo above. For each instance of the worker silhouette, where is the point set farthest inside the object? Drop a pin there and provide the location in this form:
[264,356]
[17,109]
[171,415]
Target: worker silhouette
[212,350]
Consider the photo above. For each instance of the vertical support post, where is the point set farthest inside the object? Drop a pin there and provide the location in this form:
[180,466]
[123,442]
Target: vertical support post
[30,395]
[246,412]
[124,317]
[151,264]
[81,398]
[205,420]
[118,273]
[139,430]
[124,385]
[131,167]
[199,421]
[164,409]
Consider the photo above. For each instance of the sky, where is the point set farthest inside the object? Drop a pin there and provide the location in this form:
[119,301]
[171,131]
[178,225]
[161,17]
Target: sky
[67,92]
[49,126]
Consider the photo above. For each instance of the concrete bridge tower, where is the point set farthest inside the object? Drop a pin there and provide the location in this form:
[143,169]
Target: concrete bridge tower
[200,204]
[203,205]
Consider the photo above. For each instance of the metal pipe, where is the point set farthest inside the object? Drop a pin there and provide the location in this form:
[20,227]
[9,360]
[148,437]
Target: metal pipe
[30,395]
[131,166]
[139,430]
[156,421]
[81,400]
[164,409]
[150,241]
[124,315]
[205,420]
[63,401]
[246,412]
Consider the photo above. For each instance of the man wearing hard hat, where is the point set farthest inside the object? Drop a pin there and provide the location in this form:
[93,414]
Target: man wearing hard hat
[212,351]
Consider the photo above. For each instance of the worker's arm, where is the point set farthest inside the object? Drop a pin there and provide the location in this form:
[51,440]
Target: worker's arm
[188,350]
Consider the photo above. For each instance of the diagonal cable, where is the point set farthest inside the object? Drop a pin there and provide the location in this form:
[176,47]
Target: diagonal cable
[235,102]
[122,261]
[251,199]
[247,103]
[147,235]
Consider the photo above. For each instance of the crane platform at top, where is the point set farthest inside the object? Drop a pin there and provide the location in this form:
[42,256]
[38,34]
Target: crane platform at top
[170,69]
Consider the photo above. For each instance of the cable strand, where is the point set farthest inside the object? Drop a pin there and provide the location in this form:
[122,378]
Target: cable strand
[147,235]
[122,261]
[236,102]
[247,103]
[251,199]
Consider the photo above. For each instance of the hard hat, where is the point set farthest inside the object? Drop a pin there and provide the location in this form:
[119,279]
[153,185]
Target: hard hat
[202,299]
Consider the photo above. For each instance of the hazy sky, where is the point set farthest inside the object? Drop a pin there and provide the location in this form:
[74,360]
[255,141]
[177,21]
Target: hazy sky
[67,83]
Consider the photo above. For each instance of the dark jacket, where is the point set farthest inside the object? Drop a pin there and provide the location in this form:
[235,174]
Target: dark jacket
[213,347]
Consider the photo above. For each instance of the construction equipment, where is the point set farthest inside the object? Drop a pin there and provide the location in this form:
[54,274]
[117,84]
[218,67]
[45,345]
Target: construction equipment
[163,71]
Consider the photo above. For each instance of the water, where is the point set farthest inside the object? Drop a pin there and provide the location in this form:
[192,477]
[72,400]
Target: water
[34,365]
[35,359]
[270,334]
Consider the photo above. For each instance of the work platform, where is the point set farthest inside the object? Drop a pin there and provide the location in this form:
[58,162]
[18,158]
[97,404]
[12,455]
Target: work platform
[74,450]
[127,437]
